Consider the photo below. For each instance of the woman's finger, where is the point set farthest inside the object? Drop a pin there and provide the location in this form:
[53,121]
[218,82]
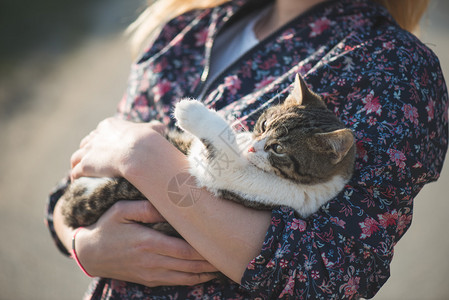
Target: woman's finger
[86,139]
[178,278]
[137,211]
[181,265]
[76,158]
[79,167]
[158,126]
[75,173]
[173,247]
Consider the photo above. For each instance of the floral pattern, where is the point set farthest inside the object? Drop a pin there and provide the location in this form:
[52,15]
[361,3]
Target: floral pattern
[380,80]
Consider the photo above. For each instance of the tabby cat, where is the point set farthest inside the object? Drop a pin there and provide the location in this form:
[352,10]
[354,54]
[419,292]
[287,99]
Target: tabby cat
[299,155]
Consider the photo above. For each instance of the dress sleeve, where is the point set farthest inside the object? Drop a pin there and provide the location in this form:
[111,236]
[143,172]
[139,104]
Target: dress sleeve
[396,102]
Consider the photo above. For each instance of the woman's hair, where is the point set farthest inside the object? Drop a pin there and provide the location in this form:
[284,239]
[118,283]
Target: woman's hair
[406,12]
[157,13]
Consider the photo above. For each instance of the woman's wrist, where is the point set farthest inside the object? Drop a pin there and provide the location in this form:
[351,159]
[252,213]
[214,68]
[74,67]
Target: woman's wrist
[138,147]
[146,146]
[75,251]
[64,232]
[69,237]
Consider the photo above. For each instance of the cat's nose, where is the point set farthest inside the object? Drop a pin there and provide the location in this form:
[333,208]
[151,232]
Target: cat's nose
[251,149]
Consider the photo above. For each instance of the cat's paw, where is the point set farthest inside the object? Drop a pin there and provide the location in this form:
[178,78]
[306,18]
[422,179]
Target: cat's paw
[190,114]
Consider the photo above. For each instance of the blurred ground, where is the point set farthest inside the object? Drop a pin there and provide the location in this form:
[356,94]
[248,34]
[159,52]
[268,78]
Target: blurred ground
[67,73]
[57,92]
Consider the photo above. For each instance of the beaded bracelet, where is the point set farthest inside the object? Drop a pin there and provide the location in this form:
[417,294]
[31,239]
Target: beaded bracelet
[74,256]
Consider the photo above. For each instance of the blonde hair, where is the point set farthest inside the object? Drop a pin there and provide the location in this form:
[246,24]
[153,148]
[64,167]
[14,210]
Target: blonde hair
[159,12]
[406,12]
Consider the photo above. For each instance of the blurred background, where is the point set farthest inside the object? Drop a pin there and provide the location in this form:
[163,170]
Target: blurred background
[63,68]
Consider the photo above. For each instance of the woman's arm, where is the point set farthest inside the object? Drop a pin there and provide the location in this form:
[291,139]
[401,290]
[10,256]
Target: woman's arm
[226,234]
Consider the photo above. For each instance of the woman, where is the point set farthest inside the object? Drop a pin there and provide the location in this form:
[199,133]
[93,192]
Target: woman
[378,78]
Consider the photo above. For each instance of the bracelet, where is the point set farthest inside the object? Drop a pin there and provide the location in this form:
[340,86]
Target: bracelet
[74,256]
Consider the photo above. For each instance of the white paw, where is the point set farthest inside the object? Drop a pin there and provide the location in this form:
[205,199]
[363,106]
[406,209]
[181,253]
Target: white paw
[190,114]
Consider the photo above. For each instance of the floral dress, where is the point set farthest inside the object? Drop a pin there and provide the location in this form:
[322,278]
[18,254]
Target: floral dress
[380,80]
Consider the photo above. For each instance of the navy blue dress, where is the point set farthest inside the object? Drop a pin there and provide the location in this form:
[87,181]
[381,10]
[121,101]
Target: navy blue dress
[380,80]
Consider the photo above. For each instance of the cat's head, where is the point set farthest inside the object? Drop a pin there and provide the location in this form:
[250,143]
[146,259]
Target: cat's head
[302,140]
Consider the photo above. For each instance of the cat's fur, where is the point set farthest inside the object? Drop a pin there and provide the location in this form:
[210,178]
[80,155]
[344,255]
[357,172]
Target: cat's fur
[299,155]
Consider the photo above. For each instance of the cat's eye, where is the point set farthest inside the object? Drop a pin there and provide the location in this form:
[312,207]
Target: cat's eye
[277,149]
[264,125]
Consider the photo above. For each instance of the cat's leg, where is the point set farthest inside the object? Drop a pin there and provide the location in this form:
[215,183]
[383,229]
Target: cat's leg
[86,199]
[209,127]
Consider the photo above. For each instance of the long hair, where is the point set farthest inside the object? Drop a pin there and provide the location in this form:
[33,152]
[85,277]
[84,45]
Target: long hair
[157,13]
[406,12]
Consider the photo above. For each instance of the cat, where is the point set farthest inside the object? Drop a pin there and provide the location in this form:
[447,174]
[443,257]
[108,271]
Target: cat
[299,155]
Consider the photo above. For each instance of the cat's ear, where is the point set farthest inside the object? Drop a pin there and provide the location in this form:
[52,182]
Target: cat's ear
[302,95]
[298,93]
[337,143]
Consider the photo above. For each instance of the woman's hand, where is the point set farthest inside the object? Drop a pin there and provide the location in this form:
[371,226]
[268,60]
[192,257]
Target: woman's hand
[117,247]
[112,146]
